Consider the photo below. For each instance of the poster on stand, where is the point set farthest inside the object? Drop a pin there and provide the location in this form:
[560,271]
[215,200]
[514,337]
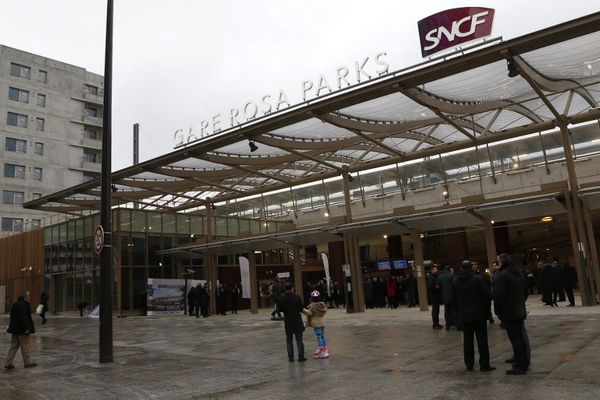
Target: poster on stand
[245,274]
[165,296]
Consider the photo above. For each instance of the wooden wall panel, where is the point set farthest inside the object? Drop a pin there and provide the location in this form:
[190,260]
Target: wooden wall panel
[18,252]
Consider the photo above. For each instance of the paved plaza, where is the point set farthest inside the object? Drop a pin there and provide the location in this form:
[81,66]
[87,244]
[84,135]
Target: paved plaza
[391,354]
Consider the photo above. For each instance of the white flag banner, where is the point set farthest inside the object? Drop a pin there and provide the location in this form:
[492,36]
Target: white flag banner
[245,274]
[327,277]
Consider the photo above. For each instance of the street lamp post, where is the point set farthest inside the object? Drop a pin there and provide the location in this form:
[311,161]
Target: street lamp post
[106,273]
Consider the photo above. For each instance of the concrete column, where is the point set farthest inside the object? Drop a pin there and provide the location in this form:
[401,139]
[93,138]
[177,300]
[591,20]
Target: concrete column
[581,278]
[352,256]
[420,271]
[298,284]
[253,283]
[490,243]
[595,267]
[212,276]
[582,240]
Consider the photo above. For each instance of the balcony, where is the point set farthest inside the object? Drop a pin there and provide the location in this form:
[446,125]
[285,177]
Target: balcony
[91,166]
[91,143]
[94,98]
[93,121]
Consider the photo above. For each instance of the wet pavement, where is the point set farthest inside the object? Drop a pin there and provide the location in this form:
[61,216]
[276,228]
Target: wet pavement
[391,354]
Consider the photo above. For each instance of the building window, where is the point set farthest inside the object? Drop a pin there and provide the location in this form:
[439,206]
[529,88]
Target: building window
[22,96]
[90,156]
[90,134]
[91,111]
[36,223]
[16,145]
[15,119]
[14,171]
[12,224]
[39,149]
[42,76]
[36,196]
[19,70]
[40,123]
[10,197]
[91,89]
[37,174]
[41,100]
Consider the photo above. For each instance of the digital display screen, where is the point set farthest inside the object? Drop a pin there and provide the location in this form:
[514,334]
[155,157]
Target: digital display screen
[384,265]
[400,264]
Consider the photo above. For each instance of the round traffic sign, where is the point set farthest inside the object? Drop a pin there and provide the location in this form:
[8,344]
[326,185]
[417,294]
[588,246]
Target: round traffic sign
[98,239]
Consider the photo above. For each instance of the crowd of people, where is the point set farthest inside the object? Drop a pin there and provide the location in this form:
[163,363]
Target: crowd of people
[467,296]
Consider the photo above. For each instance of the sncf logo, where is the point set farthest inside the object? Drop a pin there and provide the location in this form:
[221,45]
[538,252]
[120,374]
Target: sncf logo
[452,27]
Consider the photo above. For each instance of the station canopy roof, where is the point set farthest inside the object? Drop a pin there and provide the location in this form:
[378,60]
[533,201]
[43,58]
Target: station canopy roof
[460,101]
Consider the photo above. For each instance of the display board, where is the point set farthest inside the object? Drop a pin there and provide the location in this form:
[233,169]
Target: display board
[166,296]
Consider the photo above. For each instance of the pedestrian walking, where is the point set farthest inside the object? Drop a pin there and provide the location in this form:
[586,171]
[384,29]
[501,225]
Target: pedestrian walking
[235,299]
[435,297]
[44,304]
[21,327]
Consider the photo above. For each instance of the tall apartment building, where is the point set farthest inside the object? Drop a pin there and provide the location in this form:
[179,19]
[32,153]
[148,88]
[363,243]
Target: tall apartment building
[50,131]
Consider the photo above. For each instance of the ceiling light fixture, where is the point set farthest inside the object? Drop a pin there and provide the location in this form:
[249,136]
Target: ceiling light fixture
[252,145]
[547,218]
[513,70]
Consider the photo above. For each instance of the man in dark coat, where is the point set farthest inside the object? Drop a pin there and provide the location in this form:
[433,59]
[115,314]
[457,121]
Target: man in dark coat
[445,280]
[434,291]
[20,327]
[411,289]
[473,297]
[509,305]
[222,297]
[203,299]
[569,279]
[291,306]
[191,301]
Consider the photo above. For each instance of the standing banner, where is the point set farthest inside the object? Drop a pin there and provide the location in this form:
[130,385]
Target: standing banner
[166,296]
[327,277]
[245,274]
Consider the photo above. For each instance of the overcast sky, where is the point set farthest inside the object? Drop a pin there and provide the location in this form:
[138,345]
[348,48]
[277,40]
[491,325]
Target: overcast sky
[179,62]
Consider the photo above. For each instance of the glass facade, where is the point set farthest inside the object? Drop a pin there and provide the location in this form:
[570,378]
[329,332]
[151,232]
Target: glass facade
[73,266]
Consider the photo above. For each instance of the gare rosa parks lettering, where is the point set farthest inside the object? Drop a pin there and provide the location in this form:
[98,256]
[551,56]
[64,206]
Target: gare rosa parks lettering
[343,77]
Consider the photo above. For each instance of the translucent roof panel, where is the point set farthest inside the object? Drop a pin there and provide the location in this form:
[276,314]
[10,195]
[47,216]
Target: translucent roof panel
[313,129]
[576,58]
[243,148]
[393,107]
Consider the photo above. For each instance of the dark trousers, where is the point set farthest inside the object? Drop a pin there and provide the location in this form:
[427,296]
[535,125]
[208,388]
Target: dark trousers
[476,329]
[196,309]
[410,298]
[190,308]
[234,306]
[569,292]
[435,314]
[204,308]
[514,330]
[449,314]
[290,345]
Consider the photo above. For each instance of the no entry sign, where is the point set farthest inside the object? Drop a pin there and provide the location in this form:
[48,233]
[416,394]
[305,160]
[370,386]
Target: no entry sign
[98,239]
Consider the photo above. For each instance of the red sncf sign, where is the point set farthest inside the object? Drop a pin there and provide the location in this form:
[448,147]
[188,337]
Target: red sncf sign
[452,27]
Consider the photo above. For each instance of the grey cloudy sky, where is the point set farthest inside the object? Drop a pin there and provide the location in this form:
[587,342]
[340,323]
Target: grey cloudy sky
[178,62]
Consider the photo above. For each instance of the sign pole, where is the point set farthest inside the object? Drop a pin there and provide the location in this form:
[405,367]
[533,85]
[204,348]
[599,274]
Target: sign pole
[106,273]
